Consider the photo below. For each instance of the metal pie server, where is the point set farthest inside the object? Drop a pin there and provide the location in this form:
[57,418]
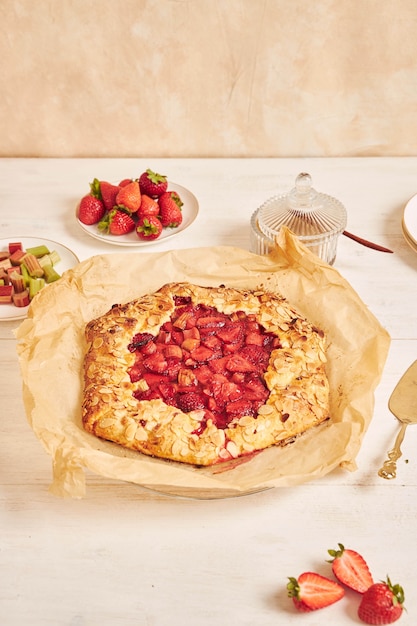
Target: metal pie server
[403,404]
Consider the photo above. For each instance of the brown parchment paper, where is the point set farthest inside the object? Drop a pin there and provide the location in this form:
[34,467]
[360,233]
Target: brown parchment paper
[51,347]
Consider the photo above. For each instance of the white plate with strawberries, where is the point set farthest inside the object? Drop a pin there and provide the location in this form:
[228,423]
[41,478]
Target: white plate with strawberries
[63,259]
[136,212]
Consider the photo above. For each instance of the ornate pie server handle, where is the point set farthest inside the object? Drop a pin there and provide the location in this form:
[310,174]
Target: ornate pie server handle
[389,469]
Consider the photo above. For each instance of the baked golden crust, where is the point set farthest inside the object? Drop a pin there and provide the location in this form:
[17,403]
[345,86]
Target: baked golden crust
[295,377]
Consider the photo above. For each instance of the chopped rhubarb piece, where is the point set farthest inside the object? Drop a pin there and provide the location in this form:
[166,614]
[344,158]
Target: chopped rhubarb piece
[4,255]
[190,344]
[51,275]
[4,276]
[6,294]
[32,265]
[5,263]
[16,257]
[35,285]
[15,245]
[21,299]
[54,257]
[38,251]
[17,281]
[26,275]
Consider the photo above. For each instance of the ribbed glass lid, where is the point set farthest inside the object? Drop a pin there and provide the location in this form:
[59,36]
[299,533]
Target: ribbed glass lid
[308,214]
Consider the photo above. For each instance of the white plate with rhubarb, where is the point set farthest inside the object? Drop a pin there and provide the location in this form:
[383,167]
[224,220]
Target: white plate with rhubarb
[27,265]
[137,212]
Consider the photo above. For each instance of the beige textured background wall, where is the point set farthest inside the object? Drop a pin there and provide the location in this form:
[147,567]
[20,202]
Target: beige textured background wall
[208,78]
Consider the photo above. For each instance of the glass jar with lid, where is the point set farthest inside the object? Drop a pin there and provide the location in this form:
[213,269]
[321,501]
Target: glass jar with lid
[315,218]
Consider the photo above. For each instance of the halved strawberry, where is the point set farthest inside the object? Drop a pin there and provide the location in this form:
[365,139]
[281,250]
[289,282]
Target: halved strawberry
[242,406]
[238,363]
[232,333]
[191,401]
[202,354]
[256,355]
[152,184]
[311,591]
[155,363]
[351,569]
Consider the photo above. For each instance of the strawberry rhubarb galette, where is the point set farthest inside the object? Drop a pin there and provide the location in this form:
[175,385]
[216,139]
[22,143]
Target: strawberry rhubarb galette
[203,375]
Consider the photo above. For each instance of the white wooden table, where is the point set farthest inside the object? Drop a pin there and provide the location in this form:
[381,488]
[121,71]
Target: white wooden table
[126,556]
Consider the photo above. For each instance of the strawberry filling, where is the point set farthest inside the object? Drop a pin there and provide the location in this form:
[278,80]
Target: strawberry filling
[206,360]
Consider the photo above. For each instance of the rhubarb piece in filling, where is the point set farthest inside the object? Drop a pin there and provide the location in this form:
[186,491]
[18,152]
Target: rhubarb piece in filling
[202,375]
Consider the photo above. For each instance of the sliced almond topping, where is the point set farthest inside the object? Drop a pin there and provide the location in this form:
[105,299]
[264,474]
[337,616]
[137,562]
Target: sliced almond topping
[232,449]
[265,409]
[107,422]
[130,431]
[98,342]
[141,434]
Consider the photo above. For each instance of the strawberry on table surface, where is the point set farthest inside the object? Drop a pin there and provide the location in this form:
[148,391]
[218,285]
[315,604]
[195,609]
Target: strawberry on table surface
[152,184]
[351,569]
[117,222]
[129,196]
[148,227]
[311,591]
[382,603]
[90,210]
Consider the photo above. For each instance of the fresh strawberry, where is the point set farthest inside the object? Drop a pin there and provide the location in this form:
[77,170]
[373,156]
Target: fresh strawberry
[148,206]
[312,591]
[170,209]
[148,228]
[351,569]
[90,210]
[108,193]
[168,196]
[117,222]
[125,181]
[152,184]
[382,603]
[129,197]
